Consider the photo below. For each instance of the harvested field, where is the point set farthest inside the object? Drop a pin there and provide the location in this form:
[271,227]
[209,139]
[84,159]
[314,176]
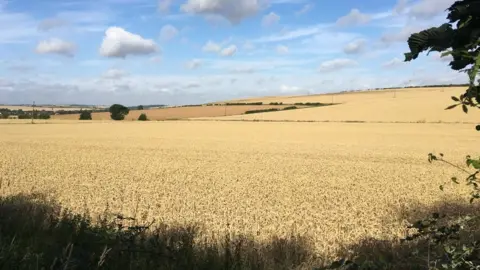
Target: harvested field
[422,105]
[334,183]
[177,113]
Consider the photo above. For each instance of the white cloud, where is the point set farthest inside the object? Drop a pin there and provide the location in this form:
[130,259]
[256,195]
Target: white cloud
[49,24]
[164,5]
[194,64]
[290,89]
[120,43]
[115,74]
[305,9]
[427,9]
[401,6]
[211,46]
[168,32]
[229,51]
[270,19]
[233,10]
[354,47]
[395,62]
[355,17]
[337,64]
[401,35]
[281,49]
[291,35]
[56,46]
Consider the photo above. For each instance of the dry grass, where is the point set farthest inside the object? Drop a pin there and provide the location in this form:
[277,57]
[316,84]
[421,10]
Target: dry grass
[420,105]
[333,183]
[177,113]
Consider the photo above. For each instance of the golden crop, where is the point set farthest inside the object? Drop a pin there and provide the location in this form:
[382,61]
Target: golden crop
[402,105]
[335,183]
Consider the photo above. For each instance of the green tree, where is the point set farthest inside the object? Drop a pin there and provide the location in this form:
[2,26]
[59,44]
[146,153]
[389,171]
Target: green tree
[142,117]
[118,112]
[85,115]
[140,107]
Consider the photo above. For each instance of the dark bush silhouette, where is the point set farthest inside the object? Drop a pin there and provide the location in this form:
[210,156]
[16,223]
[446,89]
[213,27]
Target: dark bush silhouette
[36,234]
[143,117]
[85,115]
[118,112]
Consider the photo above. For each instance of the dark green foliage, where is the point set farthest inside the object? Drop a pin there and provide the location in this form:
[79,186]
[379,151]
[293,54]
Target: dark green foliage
[290,108]
[85,115]
[262,111]
[142,117]
[313,104]
[276,103]
[118,112]
[244,104]
[140,107]
[35,233]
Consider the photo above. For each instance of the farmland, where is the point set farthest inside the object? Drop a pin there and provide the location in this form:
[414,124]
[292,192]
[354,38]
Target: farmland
[418,105]
[335,183]
[178,112]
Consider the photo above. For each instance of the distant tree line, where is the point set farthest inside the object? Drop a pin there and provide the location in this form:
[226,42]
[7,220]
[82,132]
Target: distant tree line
[21,114]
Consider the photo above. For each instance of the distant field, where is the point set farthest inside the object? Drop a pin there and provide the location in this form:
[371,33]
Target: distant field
[29,108]
[403,105]
[177,113]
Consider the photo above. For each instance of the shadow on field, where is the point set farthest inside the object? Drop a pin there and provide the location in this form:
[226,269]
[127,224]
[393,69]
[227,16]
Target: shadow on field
[36,234]
[396,254]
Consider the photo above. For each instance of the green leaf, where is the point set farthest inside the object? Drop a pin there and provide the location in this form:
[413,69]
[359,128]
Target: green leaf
[465,109]
[452,106]
[474,163]
[455,99]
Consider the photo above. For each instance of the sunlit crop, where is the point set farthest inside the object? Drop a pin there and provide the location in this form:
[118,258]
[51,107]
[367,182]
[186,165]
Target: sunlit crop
[335,183]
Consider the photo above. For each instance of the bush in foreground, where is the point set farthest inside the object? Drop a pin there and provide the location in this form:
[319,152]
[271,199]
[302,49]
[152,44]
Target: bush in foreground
[35,233]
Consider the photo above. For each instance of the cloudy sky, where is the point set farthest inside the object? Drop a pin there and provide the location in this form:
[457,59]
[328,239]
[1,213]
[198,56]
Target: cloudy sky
[194,51]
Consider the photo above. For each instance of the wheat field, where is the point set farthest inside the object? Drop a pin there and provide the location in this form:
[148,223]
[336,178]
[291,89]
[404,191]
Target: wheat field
[335,183]
[177,113]
[417,105]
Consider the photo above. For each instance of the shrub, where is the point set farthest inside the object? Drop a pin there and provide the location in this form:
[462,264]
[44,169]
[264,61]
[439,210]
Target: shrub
[118,112]
[290,108]
[142,117]
[262,111]
[85,115]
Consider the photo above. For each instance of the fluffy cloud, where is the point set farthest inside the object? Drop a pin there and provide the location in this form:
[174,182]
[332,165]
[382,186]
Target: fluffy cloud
[270,19]
[337,64]
[427,9]
[233,10]
[355,17]
[354,47]
[281,49]
[229,51]
[49,24]
[194,64]
[115,74]
[211,46]
[56,46]
[120,43]
[168,32]
[402,35]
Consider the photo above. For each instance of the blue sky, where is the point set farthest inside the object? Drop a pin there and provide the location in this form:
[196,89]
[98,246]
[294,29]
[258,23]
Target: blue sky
[195,51]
